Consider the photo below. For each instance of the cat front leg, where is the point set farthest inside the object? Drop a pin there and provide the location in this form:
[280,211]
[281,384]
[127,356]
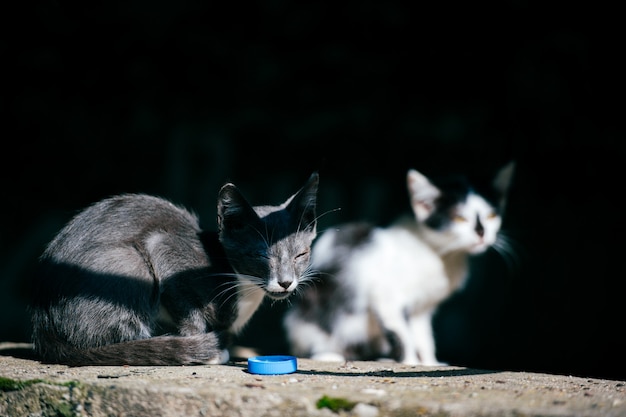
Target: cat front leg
[308,339]
[190,320]
[397,332]
[424,340]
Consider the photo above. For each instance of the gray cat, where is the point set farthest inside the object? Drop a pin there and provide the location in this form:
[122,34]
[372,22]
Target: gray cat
[122,265]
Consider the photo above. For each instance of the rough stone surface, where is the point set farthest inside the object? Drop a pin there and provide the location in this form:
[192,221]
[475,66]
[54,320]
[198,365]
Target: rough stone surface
[370,389]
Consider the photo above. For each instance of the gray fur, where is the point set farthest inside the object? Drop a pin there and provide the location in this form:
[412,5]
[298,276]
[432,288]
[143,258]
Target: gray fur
[111,272]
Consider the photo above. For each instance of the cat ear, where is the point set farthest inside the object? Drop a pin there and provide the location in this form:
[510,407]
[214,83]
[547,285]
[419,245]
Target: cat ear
[504,177]
[304,202]
[502,182]
[422,194]
[233,210]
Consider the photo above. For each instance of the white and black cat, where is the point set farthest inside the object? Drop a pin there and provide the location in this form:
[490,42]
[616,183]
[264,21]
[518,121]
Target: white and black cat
[378,287]
[124,262]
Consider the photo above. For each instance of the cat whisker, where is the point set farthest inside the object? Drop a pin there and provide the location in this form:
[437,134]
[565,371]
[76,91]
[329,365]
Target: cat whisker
[305,281]
[507,256]
[334,228]
[312,278]
[227,286]
[269,237]
[302,287]
[327,212]
[238,289]
[308,274]
[257,280]
[299,291]
[319,217]
[317,275]
[263,236]
[221,274]
[504,247]
[231,284]
[519,248]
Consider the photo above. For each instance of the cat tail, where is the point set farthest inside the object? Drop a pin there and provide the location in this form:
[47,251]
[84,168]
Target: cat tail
[156,351]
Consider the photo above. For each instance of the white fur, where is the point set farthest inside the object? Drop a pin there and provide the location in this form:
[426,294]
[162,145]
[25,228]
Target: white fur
[221,359]
[461,235]
[251,298]
[397,271]
[286,272]
[399,278]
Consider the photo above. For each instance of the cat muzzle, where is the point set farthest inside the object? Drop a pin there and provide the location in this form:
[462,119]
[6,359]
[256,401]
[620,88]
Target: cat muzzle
[278,295]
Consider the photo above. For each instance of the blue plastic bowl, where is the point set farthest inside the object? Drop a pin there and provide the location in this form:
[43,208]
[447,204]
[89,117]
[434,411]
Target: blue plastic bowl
[272,365]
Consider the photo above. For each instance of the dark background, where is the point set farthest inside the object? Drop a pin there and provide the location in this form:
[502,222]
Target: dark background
[176,98]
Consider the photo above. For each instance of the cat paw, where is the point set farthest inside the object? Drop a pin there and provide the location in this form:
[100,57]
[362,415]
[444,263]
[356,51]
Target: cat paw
[221,358]
[411,361]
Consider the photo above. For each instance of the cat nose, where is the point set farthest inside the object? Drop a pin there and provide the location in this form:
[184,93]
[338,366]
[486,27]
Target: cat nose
[480,230]
[285,284]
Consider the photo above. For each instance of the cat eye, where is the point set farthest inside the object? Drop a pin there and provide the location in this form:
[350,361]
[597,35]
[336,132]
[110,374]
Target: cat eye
[492,215]
[459,219]
[300,255]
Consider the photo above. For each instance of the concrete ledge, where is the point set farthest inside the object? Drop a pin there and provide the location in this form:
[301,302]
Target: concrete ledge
[365,389]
